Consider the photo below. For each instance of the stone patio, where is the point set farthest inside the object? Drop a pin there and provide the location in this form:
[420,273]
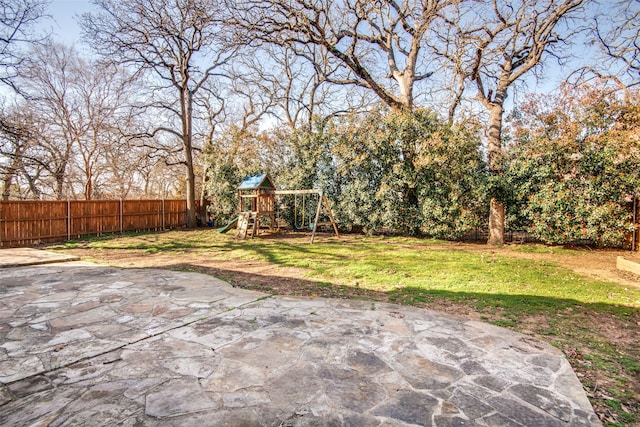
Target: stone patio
[83,344]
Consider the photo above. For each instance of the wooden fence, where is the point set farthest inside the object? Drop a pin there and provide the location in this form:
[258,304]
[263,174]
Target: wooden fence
[25,223]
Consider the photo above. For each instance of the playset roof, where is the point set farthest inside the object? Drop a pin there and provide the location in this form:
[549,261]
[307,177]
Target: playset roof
[257,181]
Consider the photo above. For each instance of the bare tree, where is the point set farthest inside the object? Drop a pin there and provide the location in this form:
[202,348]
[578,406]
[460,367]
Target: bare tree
[12,137]
[618,33]
[17,18]
[125,162]
[15,137]
[79,113]
[297,81]
[47,82]
[28,162]
[504,40]
[179,45]
[375,42]
[104,91]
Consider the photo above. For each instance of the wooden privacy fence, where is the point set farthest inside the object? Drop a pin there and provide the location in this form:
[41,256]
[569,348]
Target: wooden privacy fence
[30,222]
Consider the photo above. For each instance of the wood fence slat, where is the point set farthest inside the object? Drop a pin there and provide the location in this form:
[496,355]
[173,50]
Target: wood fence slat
[26,222]
[31,222]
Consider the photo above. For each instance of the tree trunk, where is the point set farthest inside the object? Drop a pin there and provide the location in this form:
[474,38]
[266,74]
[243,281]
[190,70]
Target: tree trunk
[495,158]
[405,82]
[6,182]
[59,179]
[12,171]
[35,192]
[203,195]
[496,223]
[187,139]
[88,187]
[191,194]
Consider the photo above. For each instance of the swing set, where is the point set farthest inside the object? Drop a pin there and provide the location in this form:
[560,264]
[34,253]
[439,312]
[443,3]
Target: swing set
[257,200]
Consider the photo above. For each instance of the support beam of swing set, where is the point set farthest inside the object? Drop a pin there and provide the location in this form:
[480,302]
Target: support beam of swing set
[322,200]
[284,192]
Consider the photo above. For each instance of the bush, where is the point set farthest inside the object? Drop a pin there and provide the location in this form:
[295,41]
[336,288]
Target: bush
[574,165]
[406,172]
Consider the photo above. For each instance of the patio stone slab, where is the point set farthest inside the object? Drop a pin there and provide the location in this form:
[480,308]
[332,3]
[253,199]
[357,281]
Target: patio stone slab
[17,257]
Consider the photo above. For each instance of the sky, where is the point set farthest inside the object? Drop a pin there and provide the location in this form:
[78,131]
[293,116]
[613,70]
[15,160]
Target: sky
[63,23]
[63,26]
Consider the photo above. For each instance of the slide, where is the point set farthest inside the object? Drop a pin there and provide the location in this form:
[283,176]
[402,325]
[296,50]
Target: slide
[229,226]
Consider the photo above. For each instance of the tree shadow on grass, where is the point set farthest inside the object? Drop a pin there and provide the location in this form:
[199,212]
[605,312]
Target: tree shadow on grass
[509,305]
[262,246]
[281,285]
[275,254]
[513,303]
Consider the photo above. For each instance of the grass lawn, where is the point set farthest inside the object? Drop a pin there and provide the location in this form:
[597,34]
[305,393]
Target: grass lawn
[531,289]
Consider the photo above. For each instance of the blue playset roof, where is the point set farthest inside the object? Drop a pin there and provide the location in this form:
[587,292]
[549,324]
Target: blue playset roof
[256,181]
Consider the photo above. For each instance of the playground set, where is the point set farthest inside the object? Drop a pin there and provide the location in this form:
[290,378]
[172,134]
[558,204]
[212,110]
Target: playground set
[257,200]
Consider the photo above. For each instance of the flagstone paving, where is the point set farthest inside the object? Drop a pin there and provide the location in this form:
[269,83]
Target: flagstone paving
[84,344]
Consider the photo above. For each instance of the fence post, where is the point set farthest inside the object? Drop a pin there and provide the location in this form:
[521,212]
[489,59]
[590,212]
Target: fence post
[121,213]
[163,227]
[68,219]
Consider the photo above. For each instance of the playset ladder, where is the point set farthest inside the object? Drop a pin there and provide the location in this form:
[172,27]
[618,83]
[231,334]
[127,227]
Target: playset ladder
[247,225]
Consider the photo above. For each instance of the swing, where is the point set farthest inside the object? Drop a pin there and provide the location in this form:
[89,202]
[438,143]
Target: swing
[295,212]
